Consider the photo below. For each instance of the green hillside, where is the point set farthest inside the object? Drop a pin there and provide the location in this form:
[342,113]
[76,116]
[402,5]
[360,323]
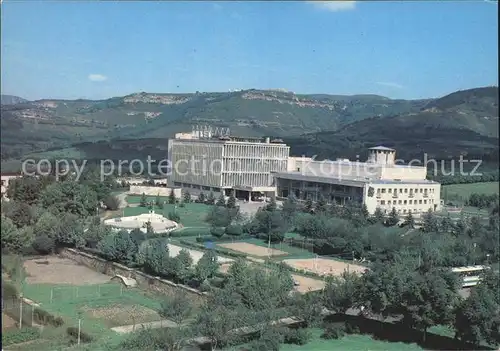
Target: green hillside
[37,125]
[462,123]
[134,126]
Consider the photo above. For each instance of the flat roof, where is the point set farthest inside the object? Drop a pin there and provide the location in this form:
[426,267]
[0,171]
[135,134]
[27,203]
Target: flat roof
[329,180]
[403,181]
[346,180]
[232,141]
[381,148]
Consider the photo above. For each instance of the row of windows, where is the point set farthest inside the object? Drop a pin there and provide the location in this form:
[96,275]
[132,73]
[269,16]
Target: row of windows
[259,150]
[405,190]
[406,202]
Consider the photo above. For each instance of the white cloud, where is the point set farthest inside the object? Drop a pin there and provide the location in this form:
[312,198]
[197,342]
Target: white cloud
[334,6]
[391,85]
[97,77]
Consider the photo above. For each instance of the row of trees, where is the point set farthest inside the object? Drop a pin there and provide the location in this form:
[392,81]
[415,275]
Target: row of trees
[43,213]
[409,292]
[152,255]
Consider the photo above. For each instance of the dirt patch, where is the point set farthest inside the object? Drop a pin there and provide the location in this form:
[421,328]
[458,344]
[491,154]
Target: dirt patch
[119,315]
[57,270]
[8,322]
[252,249]
[323,266]
[306,284]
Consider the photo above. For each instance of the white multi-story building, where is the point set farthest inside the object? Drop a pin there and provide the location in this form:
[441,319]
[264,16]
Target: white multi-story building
[379,182]
[226,164]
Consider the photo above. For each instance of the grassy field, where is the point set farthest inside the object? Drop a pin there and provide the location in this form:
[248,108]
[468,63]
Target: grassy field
[347,343]
[454,191]
[192,215]
[134,199]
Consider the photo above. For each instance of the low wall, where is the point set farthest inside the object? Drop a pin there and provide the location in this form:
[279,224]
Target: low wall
[144,281]
[154,191]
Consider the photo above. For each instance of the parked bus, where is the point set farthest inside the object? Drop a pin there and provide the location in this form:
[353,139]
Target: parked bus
[471,275]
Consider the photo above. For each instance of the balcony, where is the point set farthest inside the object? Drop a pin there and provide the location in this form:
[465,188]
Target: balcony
[379,196]
[411,195]
[394,196]
[426,195]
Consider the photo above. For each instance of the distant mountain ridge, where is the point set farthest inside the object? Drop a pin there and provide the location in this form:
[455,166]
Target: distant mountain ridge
[461,123]
[11,100]
[309,121]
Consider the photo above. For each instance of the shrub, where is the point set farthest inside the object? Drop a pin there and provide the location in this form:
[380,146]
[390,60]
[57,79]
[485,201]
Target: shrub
[19,336]
[299,336]
[234,229]
[9,291]
[333,331]
[84,337]
[351,328]
[174,216]
[44,245]
[45,318]
[111,202]
[218,232]
[202,239]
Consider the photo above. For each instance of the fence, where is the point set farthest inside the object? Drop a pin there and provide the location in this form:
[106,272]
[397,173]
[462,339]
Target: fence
[92,292]
[19,314]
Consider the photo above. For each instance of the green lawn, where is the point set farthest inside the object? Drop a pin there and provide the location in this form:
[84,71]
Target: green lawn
[463,191]
[135,199]
[99,308]
[347,343]
[192,215]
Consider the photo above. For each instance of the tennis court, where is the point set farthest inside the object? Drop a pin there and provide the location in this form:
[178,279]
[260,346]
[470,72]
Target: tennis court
[324,266]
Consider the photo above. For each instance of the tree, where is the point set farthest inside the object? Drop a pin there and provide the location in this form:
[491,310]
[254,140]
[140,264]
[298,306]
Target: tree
[201,198]
[378,216]
[309,206]
[221,201]
[158,202]
[429,222]
[44,244]
[231,201]
[477,318]
[409,220]
[137,236]
[21,214]
[186,197]
[211,198]
[289,208]
[271,206]
[14,240]
[183,269]
[171,197]
[393,218]
[176,308]
[342,293]
[271,224]
[207,266]
[111,202]
[119,247]
[144,201]
[69,196]
[321,205]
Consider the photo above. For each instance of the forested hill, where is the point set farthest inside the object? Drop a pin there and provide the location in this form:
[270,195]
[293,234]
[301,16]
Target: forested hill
[47,123]
[462,123]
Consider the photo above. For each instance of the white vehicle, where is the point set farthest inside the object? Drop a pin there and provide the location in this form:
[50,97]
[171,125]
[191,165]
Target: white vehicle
[470,275]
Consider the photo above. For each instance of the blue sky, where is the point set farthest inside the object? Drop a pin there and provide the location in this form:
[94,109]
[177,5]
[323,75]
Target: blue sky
[87,49]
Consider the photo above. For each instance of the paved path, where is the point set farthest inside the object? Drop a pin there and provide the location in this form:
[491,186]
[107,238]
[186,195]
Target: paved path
[158,324]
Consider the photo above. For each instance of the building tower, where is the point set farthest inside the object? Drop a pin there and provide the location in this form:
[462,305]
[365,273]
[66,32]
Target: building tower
[381,155]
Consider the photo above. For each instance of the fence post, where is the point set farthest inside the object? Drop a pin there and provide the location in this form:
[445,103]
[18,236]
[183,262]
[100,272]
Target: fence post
[21,311]
[51,294]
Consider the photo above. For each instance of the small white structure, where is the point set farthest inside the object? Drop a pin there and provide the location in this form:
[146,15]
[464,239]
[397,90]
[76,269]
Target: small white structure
[159,223]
